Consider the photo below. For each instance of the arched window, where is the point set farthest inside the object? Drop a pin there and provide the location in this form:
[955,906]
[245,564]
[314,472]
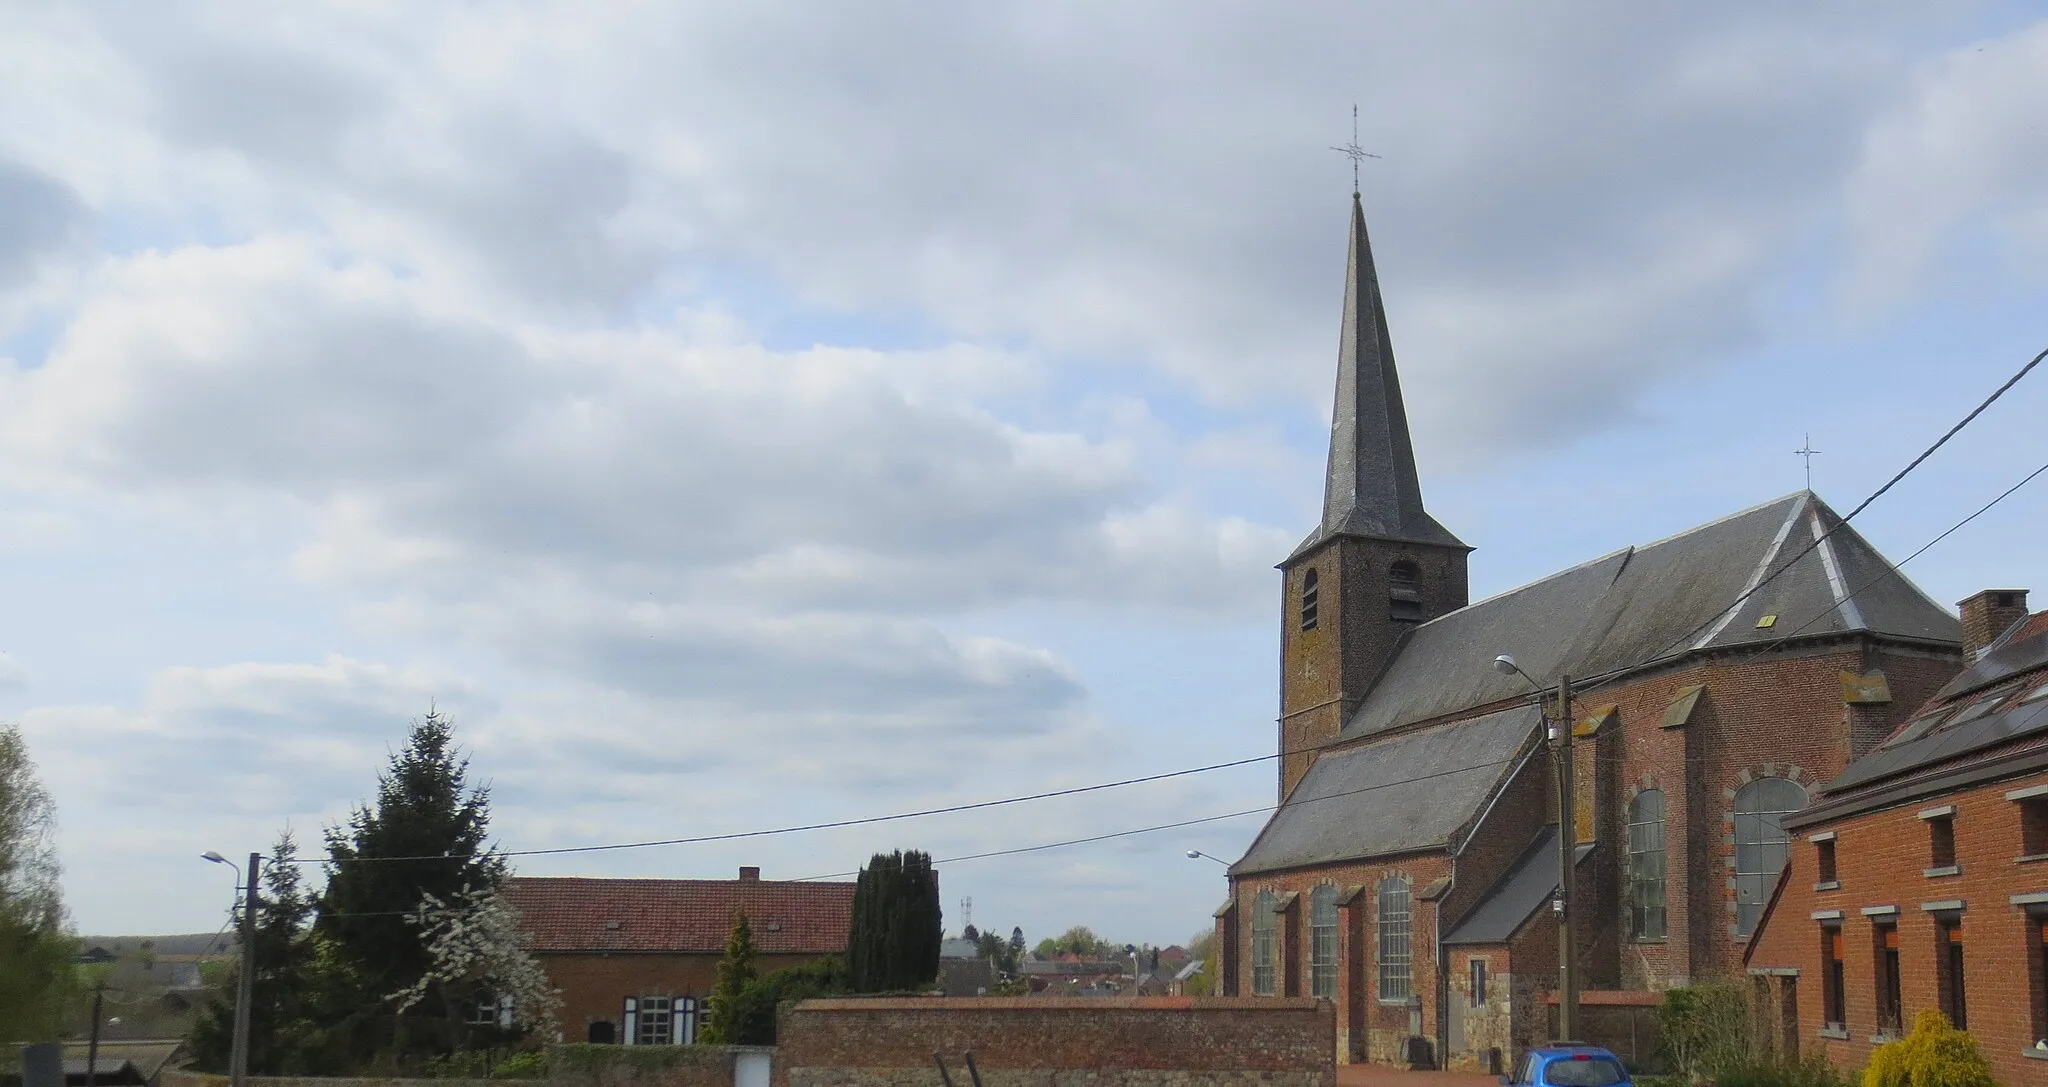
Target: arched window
[1308,600]
[1404,592]
[1646,865]
[1322,942]
[1760,810]
[1262,944]
[1395,955]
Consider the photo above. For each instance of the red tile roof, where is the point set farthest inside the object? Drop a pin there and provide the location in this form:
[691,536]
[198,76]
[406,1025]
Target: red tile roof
[687,915]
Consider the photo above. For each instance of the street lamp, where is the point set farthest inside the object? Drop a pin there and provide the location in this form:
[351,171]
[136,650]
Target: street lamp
[1560,736]
[1194,853]
[238,1060]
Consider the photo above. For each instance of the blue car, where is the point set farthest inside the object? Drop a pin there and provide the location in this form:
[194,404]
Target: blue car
[1569,1064]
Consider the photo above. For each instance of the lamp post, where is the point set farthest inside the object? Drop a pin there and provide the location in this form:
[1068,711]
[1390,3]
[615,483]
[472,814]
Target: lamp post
[238,1060]
[1560,734]
[1195,853]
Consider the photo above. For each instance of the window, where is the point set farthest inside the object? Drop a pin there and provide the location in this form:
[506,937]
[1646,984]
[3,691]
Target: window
[1394,952]
[1646,865]
[2037,970]
[1832,998]
[1322,942]
[1941,844]
[1948,942]
[1824,863]
[1404,598]
[1478,983]
[1262,944]
[1760,843]
[1308,600]
[485,1012]
[1884,939]
[1584,1070]
[2034,826]
[657,1023]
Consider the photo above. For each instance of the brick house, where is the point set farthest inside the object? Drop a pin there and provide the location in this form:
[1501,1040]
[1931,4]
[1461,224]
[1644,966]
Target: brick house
[634,959]
[1925,865]
[1723,672]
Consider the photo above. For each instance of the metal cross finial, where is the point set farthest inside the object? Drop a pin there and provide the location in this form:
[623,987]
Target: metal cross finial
[1809,452]
[1353,151]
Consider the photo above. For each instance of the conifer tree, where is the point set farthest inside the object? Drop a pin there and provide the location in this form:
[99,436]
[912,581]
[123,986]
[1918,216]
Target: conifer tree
[894,942]
[284,1034]
[423,836]
[735,973]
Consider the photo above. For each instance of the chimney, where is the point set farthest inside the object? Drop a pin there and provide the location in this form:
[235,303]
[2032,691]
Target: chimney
[1988,615]
[750,875]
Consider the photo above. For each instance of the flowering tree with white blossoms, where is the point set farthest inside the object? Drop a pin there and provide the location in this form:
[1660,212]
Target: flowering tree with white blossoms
[474,945]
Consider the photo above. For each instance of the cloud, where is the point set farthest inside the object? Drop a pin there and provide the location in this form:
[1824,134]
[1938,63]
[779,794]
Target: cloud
[39,215]
[448,455]
[1964,147]
[1011,172]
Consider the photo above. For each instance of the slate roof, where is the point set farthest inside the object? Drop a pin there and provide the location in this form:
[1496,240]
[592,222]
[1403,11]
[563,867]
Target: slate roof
[1520,892]
[1660,600]
[1995,709]
[1404,793]
[1370,488]
[564,914]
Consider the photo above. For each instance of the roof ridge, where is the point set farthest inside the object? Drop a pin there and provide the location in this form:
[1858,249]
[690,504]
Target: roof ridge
[1630,550]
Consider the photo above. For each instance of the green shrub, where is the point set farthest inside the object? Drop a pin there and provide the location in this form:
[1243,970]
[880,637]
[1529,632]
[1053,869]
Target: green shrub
[527,1064]
[1771,1070]
[1708,1029]
[752,1016]
[1935,1054]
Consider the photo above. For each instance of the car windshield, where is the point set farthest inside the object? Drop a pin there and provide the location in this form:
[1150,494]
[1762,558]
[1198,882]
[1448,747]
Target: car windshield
[1584,1072]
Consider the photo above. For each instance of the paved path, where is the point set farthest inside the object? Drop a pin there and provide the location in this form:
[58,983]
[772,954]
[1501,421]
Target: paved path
[1378,1075]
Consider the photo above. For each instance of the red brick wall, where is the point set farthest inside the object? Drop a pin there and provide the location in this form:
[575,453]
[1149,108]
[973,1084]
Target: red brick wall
[1780,716]
[1118,1040]
[1880,858]
[1382,1025]
[1326,671]
[594,987]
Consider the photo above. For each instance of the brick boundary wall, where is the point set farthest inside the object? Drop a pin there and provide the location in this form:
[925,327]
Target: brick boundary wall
[182,1078]
[1053,1042]
[574,1066]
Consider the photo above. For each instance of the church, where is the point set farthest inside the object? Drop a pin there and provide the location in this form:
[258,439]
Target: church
[1410,872]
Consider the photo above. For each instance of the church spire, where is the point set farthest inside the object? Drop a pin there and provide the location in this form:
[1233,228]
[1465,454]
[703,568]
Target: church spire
[1371,489]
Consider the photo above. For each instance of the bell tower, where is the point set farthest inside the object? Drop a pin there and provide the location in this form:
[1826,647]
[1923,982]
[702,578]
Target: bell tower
[1378,564]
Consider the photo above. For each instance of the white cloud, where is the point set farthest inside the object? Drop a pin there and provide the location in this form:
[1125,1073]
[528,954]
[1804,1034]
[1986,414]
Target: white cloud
[1964,147]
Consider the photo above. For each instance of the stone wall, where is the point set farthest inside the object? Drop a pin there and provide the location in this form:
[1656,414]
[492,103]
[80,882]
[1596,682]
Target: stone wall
[1049,1042]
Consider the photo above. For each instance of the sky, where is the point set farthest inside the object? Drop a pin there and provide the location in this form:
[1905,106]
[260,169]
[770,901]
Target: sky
[743,416]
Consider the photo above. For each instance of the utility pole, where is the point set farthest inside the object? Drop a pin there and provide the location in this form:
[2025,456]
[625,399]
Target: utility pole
[1567,846]
[238,1063]
[92,1048]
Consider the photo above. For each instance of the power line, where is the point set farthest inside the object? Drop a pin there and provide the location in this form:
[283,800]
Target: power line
[839,823]
[1827,534]
[1923,549]
[1491,763]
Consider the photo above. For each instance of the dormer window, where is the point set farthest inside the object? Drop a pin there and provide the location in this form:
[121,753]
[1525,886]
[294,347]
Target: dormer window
[1308,600]
[1404,592]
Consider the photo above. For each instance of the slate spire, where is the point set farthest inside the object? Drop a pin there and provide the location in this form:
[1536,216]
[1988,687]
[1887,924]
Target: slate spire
[1371,488]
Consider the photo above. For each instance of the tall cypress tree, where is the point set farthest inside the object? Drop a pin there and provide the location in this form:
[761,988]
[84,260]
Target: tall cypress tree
[894,941]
